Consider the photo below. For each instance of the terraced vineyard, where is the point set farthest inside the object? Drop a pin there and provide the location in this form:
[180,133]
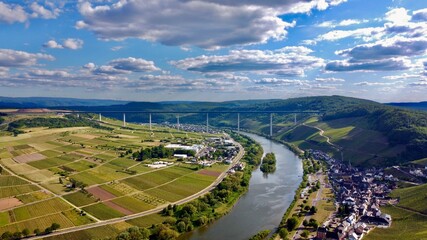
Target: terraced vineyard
[82,175]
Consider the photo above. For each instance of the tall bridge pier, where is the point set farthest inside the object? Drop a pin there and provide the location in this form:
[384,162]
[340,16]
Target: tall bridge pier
[271,125]
[238,122]
[149,119]
[124,119]
[207,122]
[177,121]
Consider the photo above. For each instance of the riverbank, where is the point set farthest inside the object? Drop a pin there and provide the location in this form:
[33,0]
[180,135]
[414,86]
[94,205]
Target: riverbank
[263,206]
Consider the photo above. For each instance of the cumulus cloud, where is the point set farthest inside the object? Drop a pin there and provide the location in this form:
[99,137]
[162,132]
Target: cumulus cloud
[420,15]
[175,83]
[329,80]
[122,66]
[13,58]
[377,83]
[342,23]
[52,44]
[393,64]
[395,44]
[402,76]
[281,82]
[40,11]
[398,15]
[388,48]
[361,33]
[69,43]
[73,43]
[290,61]
[206,24]
[134,64]
[11,13]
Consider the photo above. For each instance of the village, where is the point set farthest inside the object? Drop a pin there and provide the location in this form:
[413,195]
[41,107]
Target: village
[358,197]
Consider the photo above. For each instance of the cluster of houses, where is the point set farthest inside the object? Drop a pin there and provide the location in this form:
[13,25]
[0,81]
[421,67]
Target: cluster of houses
[359,195]
[191,128]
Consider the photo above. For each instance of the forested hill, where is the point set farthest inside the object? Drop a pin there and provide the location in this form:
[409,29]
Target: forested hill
[368,133]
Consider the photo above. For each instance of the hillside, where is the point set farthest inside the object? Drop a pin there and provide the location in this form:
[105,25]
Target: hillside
[409,216]
[367,132]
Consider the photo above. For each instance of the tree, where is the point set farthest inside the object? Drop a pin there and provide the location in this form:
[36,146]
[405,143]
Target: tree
[25,232]
[181,226]
[283,233]
[37,231]
[305,234]
[313,209]
[305,223]
[6,235]
[291,223]
[17,235]
[55,226]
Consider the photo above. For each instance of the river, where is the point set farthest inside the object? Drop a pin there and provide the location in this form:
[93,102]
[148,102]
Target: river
[267,199]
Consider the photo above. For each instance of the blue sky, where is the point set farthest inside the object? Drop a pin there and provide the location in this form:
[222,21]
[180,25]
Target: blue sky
[214,50]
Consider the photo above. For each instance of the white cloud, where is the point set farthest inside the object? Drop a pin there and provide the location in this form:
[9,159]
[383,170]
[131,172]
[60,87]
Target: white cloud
[420,15]
[11,13]
[398,16]
[13,58]
[116,48]
[392,64]
[402,76]
[122,66]
[290,61]
[369,84]
[342,23]
[73,43]
[387,48]
[329,80]
[40,11]
[69,43]
[52,44]
[364,33]
[206,24]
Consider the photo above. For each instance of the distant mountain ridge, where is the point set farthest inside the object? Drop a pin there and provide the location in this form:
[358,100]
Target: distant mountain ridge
[50,102]
[411,105]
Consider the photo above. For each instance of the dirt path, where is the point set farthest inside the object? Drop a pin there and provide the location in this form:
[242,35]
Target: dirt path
[47,190]
[321,133]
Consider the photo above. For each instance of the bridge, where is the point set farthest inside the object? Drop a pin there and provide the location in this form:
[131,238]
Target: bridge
[150,113]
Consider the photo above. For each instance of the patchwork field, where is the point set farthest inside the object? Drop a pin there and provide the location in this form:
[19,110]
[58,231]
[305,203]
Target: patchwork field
[81,175]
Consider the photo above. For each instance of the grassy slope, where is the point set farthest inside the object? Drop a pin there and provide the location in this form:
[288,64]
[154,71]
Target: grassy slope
[413,198]
[409,216]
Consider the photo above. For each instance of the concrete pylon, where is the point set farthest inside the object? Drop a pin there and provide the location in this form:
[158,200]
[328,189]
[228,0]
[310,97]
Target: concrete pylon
[271,125]
[149,116]
[177,121]
[207,122]
[124,119]
[238,122]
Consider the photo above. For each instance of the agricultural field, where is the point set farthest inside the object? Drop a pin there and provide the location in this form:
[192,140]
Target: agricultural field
[81,175]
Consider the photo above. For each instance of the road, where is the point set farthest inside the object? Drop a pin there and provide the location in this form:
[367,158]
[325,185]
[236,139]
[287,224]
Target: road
[155,210]
[321,133]
[301,227]
[48,191]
